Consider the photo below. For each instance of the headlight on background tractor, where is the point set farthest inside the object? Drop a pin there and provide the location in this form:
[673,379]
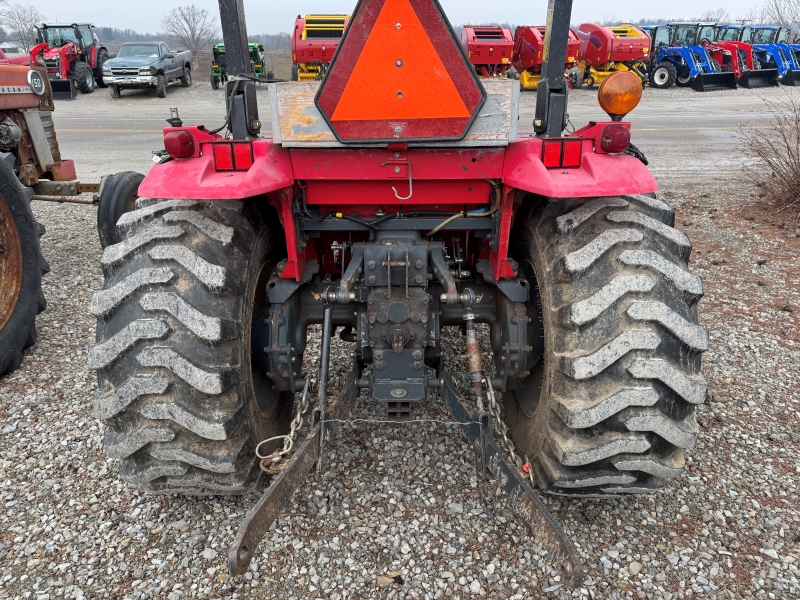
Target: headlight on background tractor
[619,94]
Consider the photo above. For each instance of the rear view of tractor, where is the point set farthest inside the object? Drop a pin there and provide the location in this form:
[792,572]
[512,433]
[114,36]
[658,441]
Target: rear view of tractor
[219,64]
[315,40]
[725,44]
[677,59]
[529,45]
[73,56]
[608,50]
[391,211]
[489,49]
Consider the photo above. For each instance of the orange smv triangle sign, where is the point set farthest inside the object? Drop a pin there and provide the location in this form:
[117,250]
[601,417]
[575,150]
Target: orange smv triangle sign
[399,74]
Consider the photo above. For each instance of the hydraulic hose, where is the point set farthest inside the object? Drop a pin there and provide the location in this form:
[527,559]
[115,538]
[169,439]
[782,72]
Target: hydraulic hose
[498,196]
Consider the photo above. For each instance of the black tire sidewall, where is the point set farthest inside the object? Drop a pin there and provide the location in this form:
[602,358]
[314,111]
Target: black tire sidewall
[19,332]
[161,86]
[118,192]
[84,78]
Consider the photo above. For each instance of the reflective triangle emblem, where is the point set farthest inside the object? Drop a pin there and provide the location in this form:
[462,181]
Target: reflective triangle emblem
[399,75]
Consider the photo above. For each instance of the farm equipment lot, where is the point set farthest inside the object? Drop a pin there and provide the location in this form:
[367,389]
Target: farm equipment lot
[398,512]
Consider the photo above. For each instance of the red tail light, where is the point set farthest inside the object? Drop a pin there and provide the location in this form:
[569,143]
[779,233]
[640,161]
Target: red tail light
[551,154]
[615,138]
[562,153]
[223,157]
[179,144]
[233,157]
[243,156]
[572,154]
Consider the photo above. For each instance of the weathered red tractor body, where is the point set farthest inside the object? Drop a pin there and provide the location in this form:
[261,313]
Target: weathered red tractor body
[489,48]
[402,202]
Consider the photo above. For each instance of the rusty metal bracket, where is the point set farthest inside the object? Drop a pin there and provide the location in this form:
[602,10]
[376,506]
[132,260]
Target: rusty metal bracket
[521,497]
[278,495]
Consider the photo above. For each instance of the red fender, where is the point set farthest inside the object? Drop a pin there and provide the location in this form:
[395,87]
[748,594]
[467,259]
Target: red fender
[599,174]
[197,179]
[37,50]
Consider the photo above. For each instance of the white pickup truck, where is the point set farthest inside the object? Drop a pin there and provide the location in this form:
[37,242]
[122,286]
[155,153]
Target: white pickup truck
[147,64]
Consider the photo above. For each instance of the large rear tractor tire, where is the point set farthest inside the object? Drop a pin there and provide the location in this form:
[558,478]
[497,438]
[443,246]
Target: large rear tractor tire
[21,268]
[610,408]
[84,78]
[118,197]
[663,76]
[183,403]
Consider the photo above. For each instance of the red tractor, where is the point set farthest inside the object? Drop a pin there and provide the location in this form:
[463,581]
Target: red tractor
[403,202]
[489,49]
[73,56]
[529,46]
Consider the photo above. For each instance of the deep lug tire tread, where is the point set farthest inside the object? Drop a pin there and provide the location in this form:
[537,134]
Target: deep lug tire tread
[172,352]
[621,377]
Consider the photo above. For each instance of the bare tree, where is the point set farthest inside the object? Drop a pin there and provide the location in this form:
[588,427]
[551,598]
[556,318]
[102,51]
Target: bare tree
[755,16]
[191,27]
[21,19]
[719,15]
[783,12]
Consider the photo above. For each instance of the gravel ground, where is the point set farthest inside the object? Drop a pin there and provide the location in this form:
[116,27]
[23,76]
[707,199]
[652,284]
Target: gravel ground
[398,513]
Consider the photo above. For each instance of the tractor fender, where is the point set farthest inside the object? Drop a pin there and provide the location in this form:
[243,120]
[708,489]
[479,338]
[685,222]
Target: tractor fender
[599,174]
[197,179]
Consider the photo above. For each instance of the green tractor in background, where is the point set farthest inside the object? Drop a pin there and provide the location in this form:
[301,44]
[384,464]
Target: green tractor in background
[219,64]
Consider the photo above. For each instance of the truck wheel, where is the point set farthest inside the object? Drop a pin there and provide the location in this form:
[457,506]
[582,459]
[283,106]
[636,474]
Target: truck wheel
[610,407]
[118,197]
[21,297]
[116,92]
[84,78]
[102,57]
[161,85]
[183,403]
[215,82]
[663,76]
[186,80]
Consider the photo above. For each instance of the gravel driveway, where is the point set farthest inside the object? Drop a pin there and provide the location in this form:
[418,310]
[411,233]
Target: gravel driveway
[398,513]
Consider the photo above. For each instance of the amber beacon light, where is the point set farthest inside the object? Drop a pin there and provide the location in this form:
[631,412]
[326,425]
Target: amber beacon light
[619,94]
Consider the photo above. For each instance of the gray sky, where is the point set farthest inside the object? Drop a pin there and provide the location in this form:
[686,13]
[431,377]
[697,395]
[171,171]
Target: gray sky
[272,17]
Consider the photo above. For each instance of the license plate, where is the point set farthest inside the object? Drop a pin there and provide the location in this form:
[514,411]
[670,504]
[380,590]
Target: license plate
[126,81]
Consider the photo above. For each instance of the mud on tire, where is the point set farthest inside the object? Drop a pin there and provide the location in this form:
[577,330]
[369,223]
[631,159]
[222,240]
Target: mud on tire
[620,378]
[182,404]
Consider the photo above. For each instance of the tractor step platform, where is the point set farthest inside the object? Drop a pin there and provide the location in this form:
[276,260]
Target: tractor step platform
[491,462]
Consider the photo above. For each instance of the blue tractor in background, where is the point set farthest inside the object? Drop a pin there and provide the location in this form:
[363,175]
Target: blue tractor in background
[772,48]
[675,59]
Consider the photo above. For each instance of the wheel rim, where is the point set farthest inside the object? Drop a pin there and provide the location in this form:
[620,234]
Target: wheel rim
[661,76]
[10,264]
[89,79]
[686,79]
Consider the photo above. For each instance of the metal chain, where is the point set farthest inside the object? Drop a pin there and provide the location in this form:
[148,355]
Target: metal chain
[275,462]
[499,426]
